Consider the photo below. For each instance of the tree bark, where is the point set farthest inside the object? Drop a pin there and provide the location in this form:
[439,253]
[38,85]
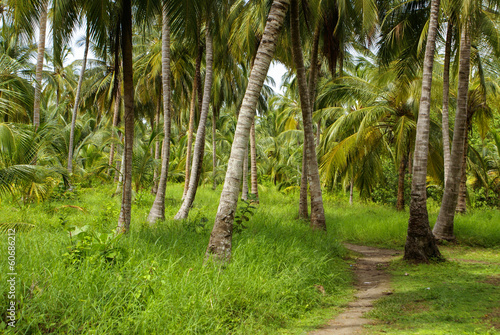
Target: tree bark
[77,101]
[254,189]
[317,210]
[443,230]
[420,244]
[157,211]
[116,117]
[39,65]
[199,147]
[462,191]
[244,189]
[446,100]
[128,89]
[400,202]
[303,206]
[351,192]
[220,244]
[192,108]
[154,189]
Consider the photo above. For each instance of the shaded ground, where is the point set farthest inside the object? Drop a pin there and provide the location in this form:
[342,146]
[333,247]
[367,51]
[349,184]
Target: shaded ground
[372,282]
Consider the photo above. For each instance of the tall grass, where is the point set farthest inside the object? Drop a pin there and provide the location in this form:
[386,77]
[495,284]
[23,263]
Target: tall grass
[276,277]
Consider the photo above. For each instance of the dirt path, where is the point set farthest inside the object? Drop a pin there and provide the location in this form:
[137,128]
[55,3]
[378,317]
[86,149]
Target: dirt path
[372,282]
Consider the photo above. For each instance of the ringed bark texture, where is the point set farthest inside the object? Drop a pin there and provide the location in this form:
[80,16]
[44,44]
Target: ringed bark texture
[317,211]
[158,209]
[220,243]
[128,88]
[199,146]
[39,65]
[420,245]
[446,101]
[443,230]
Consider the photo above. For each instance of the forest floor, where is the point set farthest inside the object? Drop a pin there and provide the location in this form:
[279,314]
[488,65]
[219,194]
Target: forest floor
[372,283]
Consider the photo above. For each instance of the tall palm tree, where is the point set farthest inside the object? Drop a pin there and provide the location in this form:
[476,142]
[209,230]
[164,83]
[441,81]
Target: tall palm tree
[420,244]
[39,64]
[158,209]
[220,244]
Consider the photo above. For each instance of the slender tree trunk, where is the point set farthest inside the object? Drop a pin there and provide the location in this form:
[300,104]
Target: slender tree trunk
[462,191]
[446,101]
[199,147]
[39,65]
[128,99]
[154,189]
[120,165]
[420,244]
[77,101]
[244,190]
[191,120]
[317,210]
[158,209]
[303,206]
[443,230]
[214,147]
[254,189]
[116,117]
[400,202]
[220,244]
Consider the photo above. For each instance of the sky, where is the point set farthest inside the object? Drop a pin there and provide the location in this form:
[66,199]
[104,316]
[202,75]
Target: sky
[276,70]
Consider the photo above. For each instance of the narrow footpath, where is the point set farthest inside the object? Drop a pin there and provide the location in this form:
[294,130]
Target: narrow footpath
[372,283]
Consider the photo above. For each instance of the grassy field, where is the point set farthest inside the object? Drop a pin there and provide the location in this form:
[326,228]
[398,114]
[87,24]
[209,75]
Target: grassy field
[283,277]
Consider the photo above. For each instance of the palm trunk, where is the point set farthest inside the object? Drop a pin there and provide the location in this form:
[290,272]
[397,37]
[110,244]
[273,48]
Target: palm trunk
[77,101]
[317,210]
[254,189]
[214,147]
[443,230]
[220,244]
[420,244]
[120,165]
[244,190]
[128,99]
[303,207]
[154,189]
[199,147]
[462,192]
[446,100]
[118,97]
[191,121]
[39,65]
[158,209]
[400,202]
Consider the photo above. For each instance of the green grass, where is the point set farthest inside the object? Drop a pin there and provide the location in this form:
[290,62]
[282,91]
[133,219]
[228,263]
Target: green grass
[160,285]
[460,296]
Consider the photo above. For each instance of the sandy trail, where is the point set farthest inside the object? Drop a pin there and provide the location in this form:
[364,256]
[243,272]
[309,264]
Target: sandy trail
[372,282]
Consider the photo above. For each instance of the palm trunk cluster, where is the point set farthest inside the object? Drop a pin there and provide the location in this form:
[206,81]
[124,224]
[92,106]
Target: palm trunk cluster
[443,230]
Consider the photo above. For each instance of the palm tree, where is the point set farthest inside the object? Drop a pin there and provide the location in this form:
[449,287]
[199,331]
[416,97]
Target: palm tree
[158,209]
[39,64]
[220,244]
[420,244]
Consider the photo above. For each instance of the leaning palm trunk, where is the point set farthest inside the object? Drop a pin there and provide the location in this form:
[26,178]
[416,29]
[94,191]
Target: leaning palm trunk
[420,244]
[199,147]
[191,121]
[244,190]
[254,189]
[220,244]
[158,209]
[446,101]
[214,148]
[128,99]
[317,210]
[77,101]
[443,230]
[39,65]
